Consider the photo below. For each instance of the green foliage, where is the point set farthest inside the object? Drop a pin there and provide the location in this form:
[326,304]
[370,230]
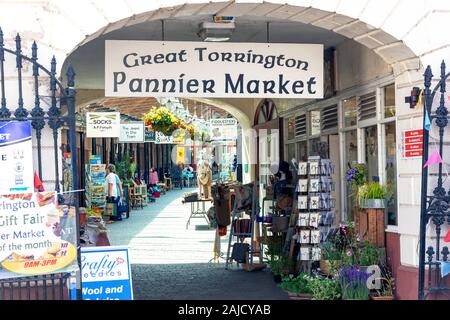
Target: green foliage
[123,167]
[282,265]
[296,284]
[325,289]
[329,251]
[373,190]
[368,254]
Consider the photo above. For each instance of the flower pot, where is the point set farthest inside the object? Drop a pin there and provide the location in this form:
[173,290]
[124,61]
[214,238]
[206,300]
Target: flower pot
[372,203]
[372,297]
[325,266]
[299,296]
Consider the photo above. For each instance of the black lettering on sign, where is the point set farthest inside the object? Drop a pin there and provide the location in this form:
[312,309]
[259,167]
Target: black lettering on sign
[116,76]
[238,87]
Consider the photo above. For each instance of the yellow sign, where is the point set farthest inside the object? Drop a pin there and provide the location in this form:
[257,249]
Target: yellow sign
[180,154]
[56,257]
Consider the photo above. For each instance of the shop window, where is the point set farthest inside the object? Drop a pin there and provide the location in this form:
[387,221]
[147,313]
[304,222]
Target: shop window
[371,152]
[391,173]
[318,148]
[351,157]
[367,106]
[300,125]
[290,151]
[291,128]
[350,111]
[302,151]
[389,101]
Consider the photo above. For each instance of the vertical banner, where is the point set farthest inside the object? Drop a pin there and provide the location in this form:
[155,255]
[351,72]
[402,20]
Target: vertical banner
[106,273]
[37,236]
[180,154]
[16,157]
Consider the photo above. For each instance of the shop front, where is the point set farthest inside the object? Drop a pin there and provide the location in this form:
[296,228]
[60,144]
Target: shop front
[362,120]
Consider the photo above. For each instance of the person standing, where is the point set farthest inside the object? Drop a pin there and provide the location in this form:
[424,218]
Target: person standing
[114,190]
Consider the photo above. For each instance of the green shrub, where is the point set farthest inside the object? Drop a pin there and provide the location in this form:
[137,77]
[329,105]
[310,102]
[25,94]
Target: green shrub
[325,289]
[296,284]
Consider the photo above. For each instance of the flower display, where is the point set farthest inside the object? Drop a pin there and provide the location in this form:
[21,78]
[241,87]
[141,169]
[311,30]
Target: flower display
[356,175]
[354,283]
[162,120]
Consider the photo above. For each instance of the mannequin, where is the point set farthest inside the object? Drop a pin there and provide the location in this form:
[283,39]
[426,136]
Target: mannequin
[204,178]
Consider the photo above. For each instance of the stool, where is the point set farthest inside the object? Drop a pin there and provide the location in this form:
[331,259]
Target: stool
[168,182]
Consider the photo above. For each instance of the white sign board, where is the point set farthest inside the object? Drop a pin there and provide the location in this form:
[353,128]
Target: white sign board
[200,69]
[16,157]
[106,273]
[315,123]
[103,124]
[223,129]
[132,132]
[161,138]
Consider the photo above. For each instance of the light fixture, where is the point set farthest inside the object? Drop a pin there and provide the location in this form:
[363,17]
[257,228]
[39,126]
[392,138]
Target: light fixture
[212,31]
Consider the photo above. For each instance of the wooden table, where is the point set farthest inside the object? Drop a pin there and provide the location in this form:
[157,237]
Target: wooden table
[198,212]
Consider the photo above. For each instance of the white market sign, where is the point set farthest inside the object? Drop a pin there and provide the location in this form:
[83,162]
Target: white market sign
[103,124]
[199,69]
[223,129]
[132,132]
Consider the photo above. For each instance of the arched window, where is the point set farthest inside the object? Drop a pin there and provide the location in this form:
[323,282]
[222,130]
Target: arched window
[265,112]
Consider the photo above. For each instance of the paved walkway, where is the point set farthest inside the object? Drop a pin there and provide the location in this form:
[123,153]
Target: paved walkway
[171,262]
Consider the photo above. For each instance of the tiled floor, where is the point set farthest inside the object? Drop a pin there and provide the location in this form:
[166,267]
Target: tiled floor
[171,262]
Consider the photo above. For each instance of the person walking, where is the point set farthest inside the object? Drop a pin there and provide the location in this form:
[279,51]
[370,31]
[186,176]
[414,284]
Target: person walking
[114,191]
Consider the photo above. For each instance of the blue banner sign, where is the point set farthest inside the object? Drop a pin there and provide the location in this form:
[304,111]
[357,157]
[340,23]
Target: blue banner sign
[16,157]
[106,273]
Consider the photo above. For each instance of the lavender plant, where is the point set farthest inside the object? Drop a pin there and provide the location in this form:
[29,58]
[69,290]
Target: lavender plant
[354,283]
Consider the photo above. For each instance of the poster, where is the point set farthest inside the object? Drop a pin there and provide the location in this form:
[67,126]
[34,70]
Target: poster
[213,70]
[36,235]
[103,124]
[106,273]
[223,129]
[132,132]
[16,157]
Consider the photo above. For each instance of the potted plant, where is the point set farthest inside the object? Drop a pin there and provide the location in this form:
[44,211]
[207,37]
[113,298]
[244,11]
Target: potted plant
[386,291]
[281,266]
[368,255]
[353,281]
[323,288]
[297,287]
[162,120]
[372,195]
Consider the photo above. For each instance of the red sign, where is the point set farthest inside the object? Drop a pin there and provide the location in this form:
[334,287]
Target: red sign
[411,154]
[412,143]
[414,139]
[414,133]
